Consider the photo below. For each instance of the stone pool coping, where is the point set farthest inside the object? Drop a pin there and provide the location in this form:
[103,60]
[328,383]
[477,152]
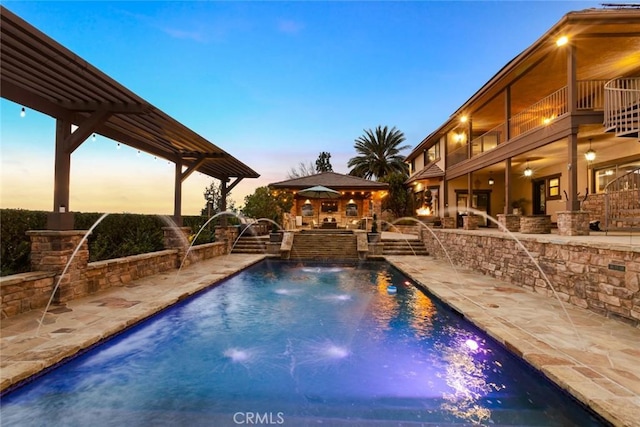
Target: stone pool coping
[595,359]
[598,361]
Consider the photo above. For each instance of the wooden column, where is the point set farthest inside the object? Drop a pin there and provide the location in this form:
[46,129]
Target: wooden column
[573,203]
[507,186]
[177,193]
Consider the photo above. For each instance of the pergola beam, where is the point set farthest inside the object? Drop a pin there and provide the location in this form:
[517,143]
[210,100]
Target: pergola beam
[113,107]
[85,129]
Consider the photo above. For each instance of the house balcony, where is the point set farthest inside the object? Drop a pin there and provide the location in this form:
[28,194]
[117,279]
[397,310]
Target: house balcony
[590,97]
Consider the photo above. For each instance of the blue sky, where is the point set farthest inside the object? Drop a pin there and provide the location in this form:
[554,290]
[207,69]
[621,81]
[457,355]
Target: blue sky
[272,83]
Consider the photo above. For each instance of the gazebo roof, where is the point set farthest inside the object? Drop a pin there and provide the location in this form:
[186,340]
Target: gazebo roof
[333,180]
[40,74]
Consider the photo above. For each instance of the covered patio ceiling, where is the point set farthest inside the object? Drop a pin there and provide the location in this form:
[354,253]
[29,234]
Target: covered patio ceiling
[40,74]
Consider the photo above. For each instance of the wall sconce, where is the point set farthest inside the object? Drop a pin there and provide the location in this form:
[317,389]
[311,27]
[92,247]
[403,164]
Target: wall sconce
[307,202]
[491,180]
[590,155]
[459,137]
[528,171]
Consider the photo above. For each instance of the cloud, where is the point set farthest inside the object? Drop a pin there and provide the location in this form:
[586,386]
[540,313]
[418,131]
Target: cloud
[289,27]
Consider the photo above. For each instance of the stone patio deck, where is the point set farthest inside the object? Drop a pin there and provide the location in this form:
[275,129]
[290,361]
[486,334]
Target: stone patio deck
[596,359]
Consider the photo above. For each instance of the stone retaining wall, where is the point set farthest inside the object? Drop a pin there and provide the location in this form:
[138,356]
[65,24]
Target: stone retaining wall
[28,291]
[25,291]
[602,278]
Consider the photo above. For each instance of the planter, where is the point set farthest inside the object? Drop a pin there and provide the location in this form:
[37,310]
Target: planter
[509,222]
[470,222]
[373,237]
[535,224]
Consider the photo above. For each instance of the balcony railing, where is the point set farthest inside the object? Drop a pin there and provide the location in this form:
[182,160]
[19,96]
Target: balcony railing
[489,140]
[622,106]
[589,94]
[458,155]
[540,114]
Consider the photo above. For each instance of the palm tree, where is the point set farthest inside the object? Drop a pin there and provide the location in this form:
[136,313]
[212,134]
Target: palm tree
[378,153]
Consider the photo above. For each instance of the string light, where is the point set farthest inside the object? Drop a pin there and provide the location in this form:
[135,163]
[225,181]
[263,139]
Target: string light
[118,146]
[93,138]
[23,112]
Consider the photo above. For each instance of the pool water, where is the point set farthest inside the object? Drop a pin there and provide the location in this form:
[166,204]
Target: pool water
[297,345]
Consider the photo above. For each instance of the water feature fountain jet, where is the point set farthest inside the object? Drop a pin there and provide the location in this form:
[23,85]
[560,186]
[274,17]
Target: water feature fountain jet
[250,225]
[391,224]
[66,267]
[420,223]
[195,238]
[526,251]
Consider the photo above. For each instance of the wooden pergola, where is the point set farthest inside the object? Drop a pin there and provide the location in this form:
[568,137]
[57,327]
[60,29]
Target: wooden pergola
[40,74]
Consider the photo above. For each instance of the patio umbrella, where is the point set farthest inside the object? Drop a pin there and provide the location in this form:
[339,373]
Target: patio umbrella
[319,192]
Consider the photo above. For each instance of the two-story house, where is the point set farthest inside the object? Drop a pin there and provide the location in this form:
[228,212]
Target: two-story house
[552,132]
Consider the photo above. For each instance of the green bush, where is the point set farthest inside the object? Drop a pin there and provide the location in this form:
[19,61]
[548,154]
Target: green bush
[116,236]
[15,245]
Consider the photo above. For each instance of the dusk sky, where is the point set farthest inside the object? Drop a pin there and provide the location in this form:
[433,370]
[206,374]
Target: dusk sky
[272,83]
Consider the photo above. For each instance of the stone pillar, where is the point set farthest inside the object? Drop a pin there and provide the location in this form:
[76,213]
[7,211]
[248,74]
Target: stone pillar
[470,222]
[227,235]
[449,222]
[573,223]
[509,222]
[177,238]
[54,251]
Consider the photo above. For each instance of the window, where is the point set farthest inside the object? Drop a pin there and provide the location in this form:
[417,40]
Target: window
[307,209]
[553,188]
[433,153]
[352,209]
[329,207]
[606,173]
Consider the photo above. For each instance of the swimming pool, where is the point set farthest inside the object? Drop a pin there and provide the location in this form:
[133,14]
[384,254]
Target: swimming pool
[296,345]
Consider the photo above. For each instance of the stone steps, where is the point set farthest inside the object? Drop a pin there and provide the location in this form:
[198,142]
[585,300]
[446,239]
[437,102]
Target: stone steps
[250,245]
[404,247]
[324,246]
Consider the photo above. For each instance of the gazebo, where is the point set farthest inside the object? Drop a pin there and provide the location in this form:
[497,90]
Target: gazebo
[359,199]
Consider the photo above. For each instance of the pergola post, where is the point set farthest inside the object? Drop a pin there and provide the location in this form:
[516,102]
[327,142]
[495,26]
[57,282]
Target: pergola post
[177,193]
[61,218]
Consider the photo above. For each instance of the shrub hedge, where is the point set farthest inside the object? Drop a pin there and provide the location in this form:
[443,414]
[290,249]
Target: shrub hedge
[117,235]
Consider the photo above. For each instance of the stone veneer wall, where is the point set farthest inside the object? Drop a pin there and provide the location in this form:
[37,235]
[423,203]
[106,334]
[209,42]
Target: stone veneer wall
[601,278]
[25,291]
[28,291]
